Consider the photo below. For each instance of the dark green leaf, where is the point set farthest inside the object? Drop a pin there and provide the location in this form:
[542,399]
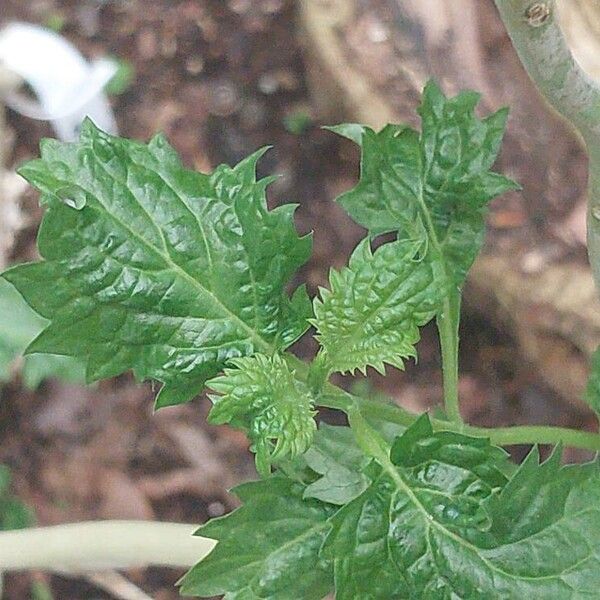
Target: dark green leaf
[535,496]
[435,186]
[442,522]
[151,267]
[268,549]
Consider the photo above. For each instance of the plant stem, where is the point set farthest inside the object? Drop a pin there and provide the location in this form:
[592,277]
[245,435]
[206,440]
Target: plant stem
[447,323]
[318,373]
[103,545]
[536,35]
[502,436]
[538,434]
[336,398]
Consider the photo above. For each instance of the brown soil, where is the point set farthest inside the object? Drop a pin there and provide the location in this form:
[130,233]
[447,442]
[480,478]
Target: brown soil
[220,78]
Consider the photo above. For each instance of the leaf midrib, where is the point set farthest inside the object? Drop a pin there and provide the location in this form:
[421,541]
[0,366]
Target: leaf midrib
[429,522]
[261,342]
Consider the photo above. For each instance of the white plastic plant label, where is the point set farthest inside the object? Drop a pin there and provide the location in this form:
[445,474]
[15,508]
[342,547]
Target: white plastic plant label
[68,88]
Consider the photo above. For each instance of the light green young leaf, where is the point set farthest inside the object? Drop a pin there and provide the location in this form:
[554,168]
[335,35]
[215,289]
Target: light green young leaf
[434,186]
[263,397]
[373,311]
[268,548]
[154,268]
[442,522]
[19,325]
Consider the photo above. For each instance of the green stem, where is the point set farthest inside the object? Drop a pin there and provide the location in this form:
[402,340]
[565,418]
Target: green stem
[447,323]
[501,436]
[336,398]
[318,373]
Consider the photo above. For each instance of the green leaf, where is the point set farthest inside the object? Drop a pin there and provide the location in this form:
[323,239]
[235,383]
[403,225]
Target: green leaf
[19,325]
[154,268]
[442,522]
[592,391]
[335,456]
[338,469]
[351,131]
[385,541]
[535,496]
[263,397]
[267,549]
[372,314]
[434,186]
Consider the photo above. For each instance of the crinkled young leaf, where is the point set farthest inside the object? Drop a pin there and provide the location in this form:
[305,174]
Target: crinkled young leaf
[268,548]
[263,397]
[442,522]
[592,392]
[19,325]
[372,313]
[433,186]
[154,268]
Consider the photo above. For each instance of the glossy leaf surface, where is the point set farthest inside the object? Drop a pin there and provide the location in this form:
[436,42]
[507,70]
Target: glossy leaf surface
[268,548]
[433,186]
[444,523]
[151,267]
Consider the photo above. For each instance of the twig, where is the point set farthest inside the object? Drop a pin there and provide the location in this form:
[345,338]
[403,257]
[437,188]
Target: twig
[102,545]
[118,586]
[537,37]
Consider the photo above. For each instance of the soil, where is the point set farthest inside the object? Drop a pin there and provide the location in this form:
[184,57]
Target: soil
[220,78]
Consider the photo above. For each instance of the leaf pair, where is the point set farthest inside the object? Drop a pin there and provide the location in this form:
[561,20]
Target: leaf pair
[430,189]
[435,186]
